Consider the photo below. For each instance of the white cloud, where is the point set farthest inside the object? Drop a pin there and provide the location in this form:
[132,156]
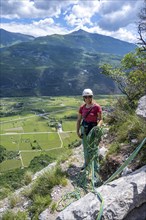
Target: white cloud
[119,13]
[115,18]
[47,21]
[36,29]
[32,9]
[85,9]
[75,21]
[128,34]
[16,9]
[81,13]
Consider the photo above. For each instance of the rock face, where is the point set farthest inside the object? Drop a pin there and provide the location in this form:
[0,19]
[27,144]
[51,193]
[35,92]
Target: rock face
[124,198]
[141,109]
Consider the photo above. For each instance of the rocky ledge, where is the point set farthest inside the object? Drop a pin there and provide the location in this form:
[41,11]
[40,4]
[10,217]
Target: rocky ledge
[124,198]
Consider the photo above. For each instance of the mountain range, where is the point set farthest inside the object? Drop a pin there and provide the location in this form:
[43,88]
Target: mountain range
[58,64]
[8,38]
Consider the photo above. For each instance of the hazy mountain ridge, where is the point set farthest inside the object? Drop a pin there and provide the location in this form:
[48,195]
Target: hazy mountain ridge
[88,41]
[60,64]
[8,38]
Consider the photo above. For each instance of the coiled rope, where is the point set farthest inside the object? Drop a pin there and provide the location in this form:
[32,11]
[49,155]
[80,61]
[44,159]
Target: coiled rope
[90,144]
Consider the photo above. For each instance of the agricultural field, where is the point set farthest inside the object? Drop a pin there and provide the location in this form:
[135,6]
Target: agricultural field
[31,126]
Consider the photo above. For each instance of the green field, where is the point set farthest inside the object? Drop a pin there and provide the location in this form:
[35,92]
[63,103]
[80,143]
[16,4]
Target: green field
[28,127]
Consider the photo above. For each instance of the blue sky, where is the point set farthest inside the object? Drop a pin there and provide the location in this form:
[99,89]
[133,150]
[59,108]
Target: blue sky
[115,18]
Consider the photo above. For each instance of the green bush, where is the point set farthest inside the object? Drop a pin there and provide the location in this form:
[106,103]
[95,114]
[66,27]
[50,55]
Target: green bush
[63,182]
[12,154]
[27,177]
[132,128]
[39,204]
[120,111]
[10,215]
[2,153]
[125,124]
[47,181]
[14,200]
[41,190]
[39,162]
[74,144]
[53,207]
[114,148]
[12,178]
[5,191]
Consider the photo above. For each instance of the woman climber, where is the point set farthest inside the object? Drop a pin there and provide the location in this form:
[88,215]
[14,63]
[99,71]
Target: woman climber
[89,116]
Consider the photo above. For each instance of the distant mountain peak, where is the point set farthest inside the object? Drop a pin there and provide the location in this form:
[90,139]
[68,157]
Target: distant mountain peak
[80,31]
[58,65]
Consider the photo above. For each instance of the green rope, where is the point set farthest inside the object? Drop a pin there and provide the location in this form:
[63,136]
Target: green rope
[91,157]
[101,204]
[130,158]
[70,197]
[90,145]
[93,139]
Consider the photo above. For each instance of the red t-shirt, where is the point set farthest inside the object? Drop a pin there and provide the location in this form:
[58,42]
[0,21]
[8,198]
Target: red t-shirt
[92,116]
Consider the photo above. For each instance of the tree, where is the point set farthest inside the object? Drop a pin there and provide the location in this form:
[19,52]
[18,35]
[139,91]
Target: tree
[130,77]
[142,27]
[2,153]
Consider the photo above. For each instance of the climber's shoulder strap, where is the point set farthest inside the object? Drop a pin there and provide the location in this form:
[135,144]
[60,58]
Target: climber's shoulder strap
[88,112]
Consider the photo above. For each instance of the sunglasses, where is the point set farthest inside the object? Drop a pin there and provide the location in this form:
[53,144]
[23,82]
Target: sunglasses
[86,97]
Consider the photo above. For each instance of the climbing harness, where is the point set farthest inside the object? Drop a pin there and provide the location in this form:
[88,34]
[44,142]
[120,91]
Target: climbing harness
[90,145]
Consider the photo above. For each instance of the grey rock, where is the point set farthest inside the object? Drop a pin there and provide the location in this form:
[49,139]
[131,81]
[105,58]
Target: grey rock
[134,141]
[137,213]
[45,215]
[39,173]
[126,171]
[103,151]
[3,209]
[141,109]
[121,197]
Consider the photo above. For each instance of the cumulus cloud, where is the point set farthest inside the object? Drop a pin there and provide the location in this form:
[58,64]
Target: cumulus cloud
[32,8]
[36,29]
[128,33]
[42,17]
[73,20]
[47,21]
[16,9]
[81,13]
[119,14]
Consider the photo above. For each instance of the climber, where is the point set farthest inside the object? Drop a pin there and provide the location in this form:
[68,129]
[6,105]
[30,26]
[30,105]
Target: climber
[89,115]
